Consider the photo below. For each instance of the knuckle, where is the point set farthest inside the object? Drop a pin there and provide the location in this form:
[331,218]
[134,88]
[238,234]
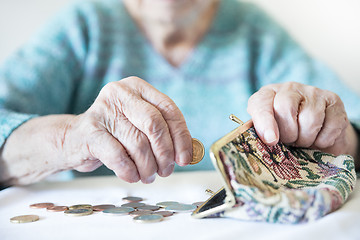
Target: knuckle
[169,107]
[109,88]
[286,108]
[154,125]
[291,85]
[140,141]
[325,142]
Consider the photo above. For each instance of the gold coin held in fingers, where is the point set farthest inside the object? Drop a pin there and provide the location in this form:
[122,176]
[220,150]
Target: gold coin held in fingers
[198,151]
[24,219]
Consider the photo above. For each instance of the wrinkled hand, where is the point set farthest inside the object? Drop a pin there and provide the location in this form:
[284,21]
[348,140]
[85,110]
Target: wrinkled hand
[302,116]
[133,129]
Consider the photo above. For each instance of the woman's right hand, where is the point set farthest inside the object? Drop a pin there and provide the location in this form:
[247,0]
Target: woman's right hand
[132,129]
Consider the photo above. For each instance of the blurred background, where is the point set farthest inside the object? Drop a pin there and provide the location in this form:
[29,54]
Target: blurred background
[328,29]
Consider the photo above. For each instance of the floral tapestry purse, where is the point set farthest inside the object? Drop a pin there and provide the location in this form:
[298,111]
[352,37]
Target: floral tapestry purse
[278,184]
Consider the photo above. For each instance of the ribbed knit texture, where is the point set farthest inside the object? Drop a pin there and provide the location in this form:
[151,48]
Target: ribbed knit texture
[92,43]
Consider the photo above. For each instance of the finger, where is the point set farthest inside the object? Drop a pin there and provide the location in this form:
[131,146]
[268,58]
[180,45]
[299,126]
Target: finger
[260,107]
[335,122]
[110,152]
[286,106]
[311,117]
[148,120]
[179,133]
[138,147]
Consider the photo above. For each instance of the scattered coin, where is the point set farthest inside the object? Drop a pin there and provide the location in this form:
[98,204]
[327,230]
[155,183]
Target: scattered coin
[57,208]
[164,213]
[149,207]
[80,206]
[41,205]
[167,203]
[133,204]
[102,207]
[181,208]
[78,212]
[198,151]
[148,218]
[119,210]
[140,212]
[132,199]
[24,219]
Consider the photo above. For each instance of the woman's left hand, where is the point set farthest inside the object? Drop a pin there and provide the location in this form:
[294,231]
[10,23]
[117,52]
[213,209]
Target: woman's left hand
[303,116]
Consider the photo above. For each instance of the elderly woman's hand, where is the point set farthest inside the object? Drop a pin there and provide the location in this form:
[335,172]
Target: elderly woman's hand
[302,116]
[133,129]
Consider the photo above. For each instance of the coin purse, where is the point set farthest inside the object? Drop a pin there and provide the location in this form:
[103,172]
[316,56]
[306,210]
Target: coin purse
[278,184]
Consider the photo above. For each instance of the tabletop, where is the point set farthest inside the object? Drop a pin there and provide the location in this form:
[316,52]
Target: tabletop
[185,187]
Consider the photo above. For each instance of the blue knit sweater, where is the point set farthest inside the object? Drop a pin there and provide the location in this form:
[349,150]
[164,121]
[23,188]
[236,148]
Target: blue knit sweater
[92,43]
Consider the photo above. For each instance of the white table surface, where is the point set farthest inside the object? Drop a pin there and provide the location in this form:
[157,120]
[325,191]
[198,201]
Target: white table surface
[186,187]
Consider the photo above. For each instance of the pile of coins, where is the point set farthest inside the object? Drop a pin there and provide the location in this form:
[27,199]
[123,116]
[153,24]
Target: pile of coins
[141,212]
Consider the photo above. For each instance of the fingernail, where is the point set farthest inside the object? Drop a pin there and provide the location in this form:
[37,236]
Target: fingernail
[184,158]
[150,179]
[168,170]
[269,136]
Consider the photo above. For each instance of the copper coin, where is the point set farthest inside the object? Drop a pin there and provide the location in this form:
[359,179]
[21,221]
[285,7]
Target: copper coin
[198,151]
[41,205]
[24,219]
[133,204]
[80,206]
[149,207]
[164,213]
[57,208]
[132,199]
[102,207]
[140,212]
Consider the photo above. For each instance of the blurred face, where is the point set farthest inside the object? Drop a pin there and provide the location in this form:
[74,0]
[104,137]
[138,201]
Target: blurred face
[169,11]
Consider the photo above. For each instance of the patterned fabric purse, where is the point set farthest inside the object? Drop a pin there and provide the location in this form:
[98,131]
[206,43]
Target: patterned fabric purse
[278,184]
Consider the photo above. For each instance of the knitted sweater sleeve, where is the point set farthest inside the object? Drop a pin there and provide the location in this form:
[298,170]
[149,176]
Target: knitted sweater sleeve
[41,77]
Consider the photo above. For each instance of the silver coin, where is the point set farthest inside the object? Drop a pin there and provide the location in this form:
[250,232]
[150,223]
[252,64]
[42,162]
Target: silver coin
[181,208]
[133,204]
[149,207]
[133,199]
[119,210]
[167,203]
[140,212]
[148,218]
[78,212]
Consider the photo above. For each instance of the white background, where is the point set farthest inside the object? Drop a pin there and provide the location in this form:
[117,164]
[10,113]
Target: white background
[328,29]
